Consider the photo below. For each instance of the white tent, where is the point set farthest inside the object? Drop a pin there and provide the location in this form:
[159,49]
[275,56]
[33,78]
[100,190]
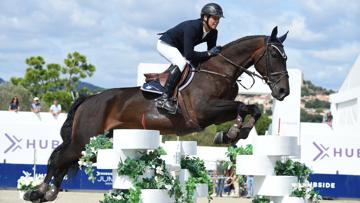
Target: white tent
[345,104]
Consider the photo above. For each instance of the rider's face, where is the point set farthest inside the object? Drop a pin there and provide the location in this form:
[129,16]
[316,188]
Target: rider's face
[213,21]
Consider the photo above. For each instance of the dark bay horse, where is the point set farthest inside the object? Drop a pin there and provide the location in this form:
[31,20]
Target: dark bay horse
[209,99]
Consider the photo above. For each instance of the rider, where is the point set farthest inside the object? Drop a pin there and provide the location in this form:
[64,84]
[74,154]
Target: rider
[177,46]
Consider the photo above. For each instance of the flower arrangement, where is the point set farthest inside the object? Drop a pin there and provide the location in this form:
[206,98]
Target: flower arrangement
[303,188]
[292,168]
[306,191]
[90,152]
[28,182]
[199,175]
[159,178]
[261,199]
[124,196]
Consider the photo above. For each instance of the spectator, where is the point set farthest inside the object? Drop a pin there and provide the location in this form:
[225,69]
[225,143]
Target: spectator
[250,186]
[55,109]
[35,105]
[14,104]
[230,180]
[220,170]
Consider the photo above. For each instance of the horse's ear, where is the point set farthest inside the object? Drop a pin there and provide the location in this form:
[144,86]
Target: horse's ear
[274,34]
[282,38]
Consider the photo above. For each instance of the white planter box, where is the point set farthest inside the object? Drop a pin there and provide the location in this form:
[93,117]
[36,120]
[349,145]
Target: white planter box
[154,196]
[273,185]
[256,165]
[121,182]
[276,145]
[289,200]
[136,139]
[201,190]
[184,175]
[107,159]
[184,147]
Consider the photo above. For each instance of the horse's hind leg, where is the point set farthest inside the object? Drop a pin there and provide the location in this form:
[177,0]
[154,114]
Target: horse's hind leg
[40,191]
[62,164]
[51,194]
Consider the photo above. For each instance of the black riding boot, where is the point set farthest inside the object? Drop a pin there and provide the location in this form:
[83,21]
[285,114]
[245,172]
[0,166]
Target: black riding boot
[165,101]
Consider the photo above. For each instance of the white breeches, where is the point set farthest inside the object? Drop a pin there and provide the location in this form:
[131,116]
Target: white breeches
[172,54]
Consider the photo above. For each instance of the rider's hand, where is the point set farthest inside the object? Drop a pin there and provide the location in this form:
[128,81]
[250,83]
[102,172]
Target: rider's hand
[214,51]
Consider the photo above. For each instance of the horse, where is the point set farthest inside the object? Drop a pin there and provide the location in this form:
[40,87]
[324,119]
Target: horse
[208,99]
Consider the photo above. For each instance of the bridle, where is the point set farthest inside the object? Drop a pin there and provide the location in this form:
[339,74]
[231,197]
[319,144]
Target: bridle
[268,67]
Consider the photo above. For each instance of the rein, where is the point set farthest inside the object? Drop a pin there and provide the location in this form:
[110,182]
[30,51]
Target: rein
[254,74]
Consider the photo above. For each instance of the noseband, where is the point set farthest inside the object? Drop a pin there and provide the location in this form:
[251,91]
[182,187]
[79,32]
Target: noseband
[268,66]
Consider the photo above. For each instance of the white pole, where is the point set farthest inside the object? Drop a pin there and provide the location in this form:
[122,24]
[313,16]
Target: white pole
[34,168]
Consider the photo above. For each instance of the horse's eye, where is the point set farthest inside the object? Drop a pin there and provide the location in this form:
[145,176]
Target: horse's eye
[273,54]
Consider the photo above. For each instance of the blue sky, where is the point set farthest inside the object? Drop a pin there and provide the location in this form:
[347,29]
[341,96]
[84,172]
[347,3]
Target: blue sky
[116,35]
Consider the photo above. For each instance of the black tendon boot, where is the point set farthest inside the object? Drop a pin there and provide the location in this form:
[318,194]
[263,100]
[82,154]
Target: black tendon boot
[165,101]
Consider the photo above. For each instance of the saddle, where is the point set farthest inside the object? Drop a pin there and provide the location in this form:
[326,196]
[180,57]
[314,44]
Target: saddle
[154,82]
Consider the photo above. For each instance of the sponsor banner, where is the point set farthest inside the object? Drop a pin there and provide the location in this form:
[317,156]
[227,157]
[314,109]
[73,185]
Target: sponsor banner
[331,154]
[336,186]
[27,143]
[79,181]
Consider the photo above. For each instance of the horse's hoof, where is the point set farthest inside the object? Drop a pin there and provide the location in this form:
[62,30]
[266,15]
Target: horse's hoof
[218,139]
[33,195]
[50,195]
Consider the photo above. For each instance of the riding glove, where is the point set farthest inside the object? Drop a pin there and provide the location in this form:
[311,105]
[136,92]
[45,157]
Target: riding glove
[214,51]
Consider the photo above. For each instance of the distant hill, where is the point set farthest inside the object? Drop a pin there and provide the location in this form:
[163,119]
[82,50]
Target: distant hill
[90,87]
[308,88]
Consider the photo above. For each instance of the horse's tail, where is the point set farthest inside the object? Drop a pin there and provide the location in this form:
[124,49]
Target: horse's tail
[65,133]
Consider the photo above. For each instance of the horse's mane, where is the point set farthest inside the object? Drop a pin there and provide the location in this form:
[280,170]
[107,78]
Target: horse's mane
[235,42]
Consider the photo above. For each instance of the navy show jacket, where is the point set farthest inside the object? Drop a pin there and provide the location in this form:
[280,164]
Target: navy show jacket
[186,35]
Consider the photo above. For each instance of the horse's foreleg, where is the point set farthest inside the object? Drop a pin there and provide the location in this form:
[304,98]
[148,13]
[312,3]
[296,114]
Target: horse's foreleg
[239,130]
[242,131]
[51,194]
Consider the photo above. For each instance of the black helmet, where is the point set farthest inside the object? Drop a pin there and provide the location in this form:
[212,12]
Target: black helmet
[212,9]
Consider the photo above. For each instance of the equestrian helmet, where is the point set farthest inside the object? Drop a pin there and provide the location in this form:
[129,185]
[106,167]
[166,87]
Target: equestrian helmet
[212,9]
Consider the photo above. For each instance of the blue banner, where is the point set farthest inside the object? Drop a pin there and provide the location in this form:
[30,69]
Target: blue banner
[336,186]
[10,173]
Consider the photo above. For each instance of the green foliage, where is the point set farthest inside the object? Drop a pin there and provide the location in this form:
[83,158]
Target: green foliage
[306,191]
[199,175]
[232,152]
[8,91]
[292,168]
[263,124]
[315,104]
[76,68]
[53,81]
[261,199]
[306,117]
[310,89]
[90,152]
[224,127]
[122,196]
[203,138]
[149,162]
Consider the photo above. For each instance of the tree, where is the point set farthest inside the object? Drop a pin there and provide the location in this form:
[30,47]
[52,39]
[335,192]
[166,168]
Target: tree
[53,81]
[76,68]
[263,124]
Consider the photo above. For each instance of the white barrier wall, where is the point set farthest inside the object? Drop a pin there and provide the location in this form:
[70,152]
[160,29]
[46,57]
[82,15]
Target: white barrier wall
[24,134]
